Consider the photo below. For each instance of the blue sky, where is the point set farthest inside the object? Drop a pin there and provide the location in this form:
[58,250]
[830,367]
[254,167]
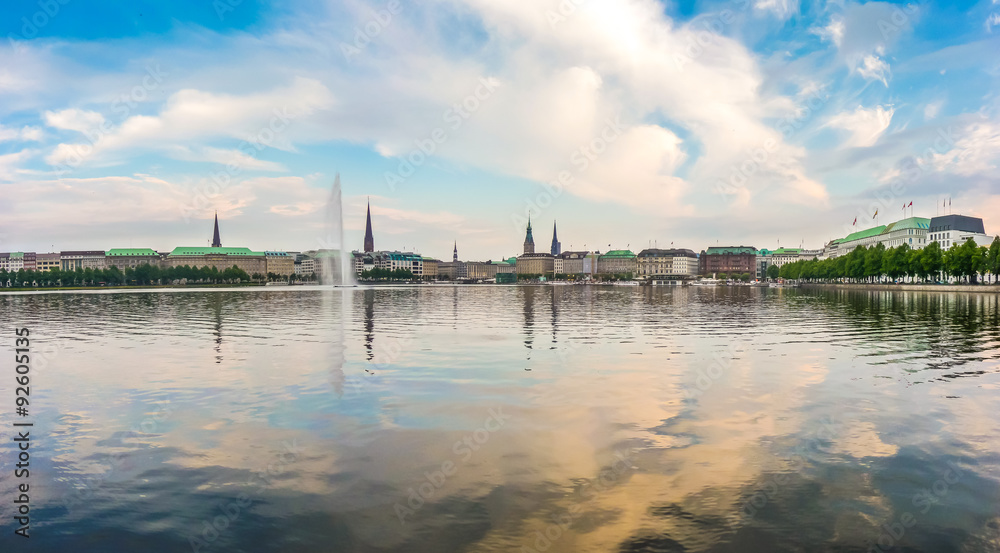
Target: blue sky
[752,122]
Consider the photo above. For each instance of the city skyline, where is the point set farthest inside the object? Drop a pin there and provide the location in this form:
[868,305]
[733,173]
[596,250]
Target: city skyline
[769,121]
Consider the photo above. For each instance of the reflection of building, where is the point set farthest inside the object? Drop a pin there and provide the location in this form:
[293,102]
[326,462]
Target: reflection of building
[666,262]
[279,263]
[956,229]
[73,260]
[131,257]
[617,262]
[729,259]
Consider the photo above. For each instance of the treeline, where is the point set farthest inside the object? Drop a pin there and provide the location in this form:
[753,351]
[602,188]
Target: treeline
[145,274]
[965,262]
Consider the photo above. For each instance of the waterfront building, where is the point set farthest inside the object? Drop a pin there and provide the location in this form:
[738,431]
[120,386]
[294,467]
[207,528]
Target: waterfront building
[45,262]
[531,263]
[481,270]
[956,229]
[431,267]
[529,241]
[912,231]
[305,264]
[454,269]
[666,262]
[131,257]
[279,263]
[540,264]
[506,271]
[16,261]
[87,259]
[728,259]
[253,263]
[617,262]
[221,258]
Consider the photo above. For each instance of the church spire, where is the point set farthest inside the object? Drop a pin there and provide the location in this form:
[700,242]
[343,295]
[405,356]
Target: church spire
[556,245]
[454,255]
[369,239]
[529,241]
[216,241]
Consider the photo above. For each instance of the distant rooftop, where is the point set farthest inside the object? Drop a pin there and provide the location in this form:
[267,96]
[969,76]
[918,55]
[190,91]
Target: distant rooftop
[182,250]
[731,250]
[131,252]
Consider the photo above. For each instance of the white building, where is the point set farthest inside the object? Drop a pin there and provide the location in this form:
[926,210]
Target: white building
[956,229]
[912,231]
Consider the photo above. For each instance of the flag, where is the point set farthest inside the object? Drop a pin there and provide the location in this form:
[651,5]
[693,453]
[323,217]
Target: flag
[949,202]
[855,223]
[876,214]
[911,204]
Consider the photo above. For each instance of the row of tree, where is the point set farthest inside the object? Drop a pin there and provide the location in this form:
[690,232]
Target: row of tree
[145,274]
[387,274]
[965,262]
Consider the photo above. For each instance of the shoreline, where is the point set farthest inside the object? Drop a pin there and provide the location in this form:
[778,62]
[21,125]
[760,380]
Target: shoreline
[965,288]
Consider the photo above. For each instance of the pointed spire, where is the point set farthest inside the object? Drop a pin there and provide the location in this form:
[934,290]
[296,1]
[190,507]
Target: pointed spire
[216,241]
[529,241]
[369,239]
[454,255]
[556,245]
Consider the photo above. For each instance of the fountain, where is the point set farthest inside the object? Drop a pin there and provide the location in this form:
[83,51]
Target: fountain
[337,263]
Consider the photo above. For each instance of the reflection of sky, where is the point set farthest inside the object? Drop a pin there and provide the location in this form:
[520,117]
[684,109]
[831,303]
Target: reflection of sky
[714,395]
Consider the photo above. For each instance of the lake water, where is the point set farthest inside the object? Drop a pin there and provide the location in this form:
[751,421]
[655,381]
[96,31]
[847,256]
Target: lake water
[517,418]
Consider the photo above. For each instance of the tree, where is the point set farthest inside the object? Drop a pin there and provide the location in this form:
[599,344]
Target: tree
[931,260]
[772,272]
[745,277]
[993,259]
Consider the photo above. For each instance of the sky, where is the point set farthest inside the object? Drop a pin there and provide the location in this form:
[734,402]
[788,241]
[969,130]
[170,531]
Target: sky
[629,123]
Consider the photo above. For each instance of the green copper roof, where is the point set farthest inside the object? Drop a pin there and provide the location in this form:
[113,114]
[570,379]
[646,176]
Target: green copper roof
[785,251]
[867,233]
[215,251]
[122,252]
[731,250]
[908,223]
[618,253]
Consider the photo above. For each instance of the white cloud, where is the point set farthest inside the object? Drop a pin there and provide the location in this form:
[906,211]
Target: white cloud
[191,115]
[874,68]
[976,152]
[783,9]
[74,119]
[10,165]
[26,134]
[932,109]
[992,21]
[865,125]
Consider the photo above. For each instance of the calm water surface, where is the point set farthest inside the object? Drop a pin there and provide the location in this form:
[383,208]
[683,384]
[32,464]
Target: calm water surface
[559,418]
